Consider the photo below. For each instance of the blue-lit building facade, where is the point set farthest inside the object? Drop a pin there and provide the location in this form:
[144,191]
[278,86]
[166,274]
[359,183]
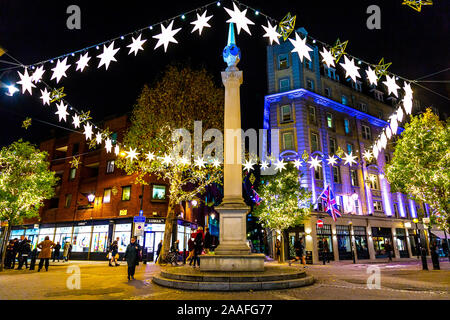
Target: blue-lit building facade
[316,109]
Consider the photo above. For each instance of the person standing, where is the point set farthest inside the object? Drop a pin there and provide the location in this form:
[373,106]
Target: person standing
[66,251]
[33,257]
[325,252]
[132,257]
[46,247]
[15,252]
[198,248]
[24,252]
[299,252]
[434,255]
[278,250]
[56,251]
[9,254]
[388,249]
[207,241]
[191,249]
[114,250]
[158,251]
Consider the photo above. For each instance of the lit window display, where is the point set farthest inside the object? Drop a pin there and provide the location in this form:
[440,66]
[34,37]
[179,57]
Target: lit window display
[123,232]
[16,233]
[100,238]
[159,192]
[44,232]
[32,235]
[81,238]
[62,235]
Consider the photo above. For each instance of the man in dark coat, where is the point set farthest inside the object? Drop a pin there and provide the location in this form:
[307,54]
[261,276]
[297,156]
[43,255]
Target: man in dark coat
[24,252]
[9,254]
[132,257]
[388,249]
[207,241]
[198,248]
[158,251]
[15,252]
[56,251]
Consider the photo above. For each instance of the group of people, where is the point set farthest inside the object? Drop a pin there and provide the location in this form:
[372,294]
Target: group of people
[198,243]
[21,250]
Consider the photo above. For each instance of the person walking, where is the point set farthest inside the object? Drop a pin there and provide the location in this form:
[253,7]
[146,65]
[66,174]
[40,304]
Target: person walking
[56,251]
[158,251]
[434,255]
[132,257]
[24,252]
[299,252]
[198,248]
[46,247]
[191,249]
[176,249]
[114,251]
[388,249]
[278,250]
[66,251]
[207,241]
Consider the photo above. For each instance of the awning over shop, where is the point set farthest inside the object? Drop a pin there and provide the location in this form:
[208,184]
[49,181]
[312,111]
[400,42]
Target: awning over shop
[440,234]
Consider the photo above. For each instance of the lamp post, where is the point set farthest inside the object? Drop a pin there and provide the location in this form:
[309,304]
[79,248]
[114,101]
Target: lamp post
[420,249]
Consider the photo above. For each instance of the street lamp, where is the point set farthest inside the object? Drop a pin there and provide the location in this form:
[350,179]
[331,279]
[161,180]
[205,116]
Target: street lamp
[420,250]
[91,197]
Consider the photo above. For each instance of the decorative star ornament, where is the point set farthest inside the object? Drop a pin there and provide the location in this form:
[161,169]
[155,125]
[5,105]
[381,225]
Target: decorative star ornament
[37,75]
[199,162]
[132,154]
[150,156]
[108,145]
[201,22]
[368,155]
[393,124]
[45,97]
[25,82]
[327,57]
[407,104]
[26,123]
[301,47]
[98,138]
[248,165]
[381,68]
[88,131]
[108,55]
[399,114]
[62,111]
[216,163]
[280,165]
[391,85]
[375,151]
[166,36]
[349,159]
[264,165]
[239,18]
[184,161]
[388,132]
[136,45]
[60,70]
[83,62]
[286,26]
[271,33]
[297,163]
[305,156]
[371,76]
[408,90]
[332,160]
[75,162]
[339,49]
[166,160]
[351,70]
[116,150]
[417,4]
[314,162]
[57,94]
[76,121]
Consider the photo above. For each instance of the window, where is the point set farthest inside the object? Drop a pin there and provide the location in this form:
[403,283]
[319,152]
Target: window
[107,195]
[344,99]
[285,84]
[332,146]
[330,120]
[346,126]
[159,192]
[328,92]
[126,193]
[81,238]
[366,133]
[283,61]
[357,206]
[374,182]
[314,142]
[357,85]
[68,200]
[331,73]
[312,114]
[396,209]
[309,64]
[110,166]
[318,175]
[72,173]
[387,157]
[100,238]
[123,232]
[349,148]
[377,205]
[288,141]
[378,95]
[336,175]
[114,138]
[286,113]
[380,114]
[362,106]
[354,178]
[310,84]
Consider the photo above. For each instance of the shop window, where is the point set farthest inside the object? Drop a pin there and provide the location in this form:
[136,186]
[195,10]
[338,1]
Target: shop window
[100,238]
[72,173]
[354,178]
[44,232]
[107,195]
[336,175]
[158,192]
[285,85]
[332,146]
[283,61]
[68,200]
[288,141]
[312,114]
[366,132]
[63,235]
[123,232]
[126,193]
[81,238]
[110,166]
[314,142]
[377,206]
[286,113]
[347,126]
[362,249]
[324,240]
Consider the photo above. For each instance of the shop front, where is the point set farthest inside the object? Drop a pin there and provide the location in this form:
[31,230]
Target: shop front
[413,242]
[362,249]
[294,235]
[380,237]
[401,243]
[344,242]
[325,242]
[153,235]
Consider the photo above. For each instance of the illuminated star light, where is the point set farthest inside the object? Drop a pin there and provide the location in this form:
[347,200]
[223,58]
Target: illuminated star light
[391,85]
[60,70]
[216,163]
[108,145]
[150,156]
[248,165]
[83,62]
[351,70]
[314,162]
[116,150]
[417,4]
[62,111]
[166,160]
[301,47]
[371,76]
[286,26]
[37,75]
[45,96]
[349,159]
[280,165]
[98,138]
[108,55]
[136,45]
[200,163]
[368,155]
[239,18]
[375,152]
[88,131]
[271,33]
[76,121]
[25,82]
[393,124]
[327,57]
[166,36]
[399,114]
[297,163]
[264,165]
[184,161]
[407,104]
[381,68]
[408,91]
[201,22]
[388,132]
[339,49]
[332,160]
[132,154]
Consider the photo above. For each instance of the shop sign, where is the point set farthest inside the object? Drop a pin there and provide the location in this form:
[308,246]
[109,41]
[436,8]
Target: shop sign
[139,228]
[152,220]
[123,212]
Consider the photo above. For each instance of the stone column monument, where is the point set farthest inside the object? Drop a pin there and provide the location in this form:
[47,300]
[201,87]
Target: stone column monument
[233,253]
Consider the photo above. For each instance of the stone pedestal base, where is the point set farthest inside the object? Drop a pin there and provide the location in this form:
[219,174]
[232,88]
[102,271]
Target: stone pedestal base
[246,262]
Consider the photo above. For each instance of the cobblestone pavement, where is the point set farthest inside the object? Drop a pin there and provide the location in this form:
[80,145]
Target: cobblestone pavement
[399,280]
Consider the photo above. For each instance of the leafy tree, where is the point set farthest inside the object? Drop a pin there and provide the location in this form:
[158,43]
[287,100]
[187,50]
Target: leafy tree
[25,182]
[421,164]
[284,202]
[179,98]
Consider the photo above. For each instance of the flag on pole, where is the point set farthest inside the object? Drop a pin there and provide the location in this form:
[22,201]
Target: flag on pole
[328,198]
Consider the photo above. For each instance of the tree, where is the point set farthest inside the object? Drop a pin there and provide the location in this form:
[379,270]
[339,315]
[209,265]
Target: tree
[284,202]
[25,182]
[420,166]
[179,98]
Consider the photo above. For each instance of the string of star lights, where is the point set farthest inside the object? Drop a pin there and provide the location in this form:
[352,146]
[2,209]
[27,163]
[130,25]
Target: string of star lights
[239,14]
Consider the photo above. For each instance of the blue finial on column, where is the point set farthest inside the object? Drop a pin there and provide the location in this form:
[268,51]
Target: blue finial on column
[231,53]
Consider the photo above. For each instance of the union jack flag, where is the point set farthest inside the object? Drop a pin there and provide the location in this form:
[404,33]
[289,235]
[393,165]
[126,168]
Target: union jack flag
[329,200]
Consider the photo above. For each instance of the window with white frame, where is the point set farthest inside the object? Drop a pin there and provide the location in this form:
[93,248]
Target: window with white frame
[396,209]
[373,182]
[314,142]
[286,113]
[331,73]
[366,132]
[349,148]
[330,120]
[336,174]
[285,84]
[318,174]
[378,205]
[354,178]
[312,114]
[356,205]
[110,166]
[332,146]
[362,106]
[283,61]
[347,126]
[288,141]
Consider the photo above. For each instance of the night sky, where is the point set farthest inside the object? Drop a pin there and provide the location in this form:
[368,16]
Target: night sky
[416,43]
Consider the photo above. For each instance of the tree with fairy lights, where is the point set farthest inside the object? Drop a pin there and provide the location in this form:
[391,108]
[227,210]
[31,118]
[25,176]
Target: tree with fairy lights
[25,182]
[284,202]
[420,166]
[181,97]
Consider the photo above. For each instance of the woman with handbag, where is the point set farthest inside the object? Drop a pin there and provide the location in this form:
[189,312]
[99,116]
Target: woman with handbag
[114,253]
